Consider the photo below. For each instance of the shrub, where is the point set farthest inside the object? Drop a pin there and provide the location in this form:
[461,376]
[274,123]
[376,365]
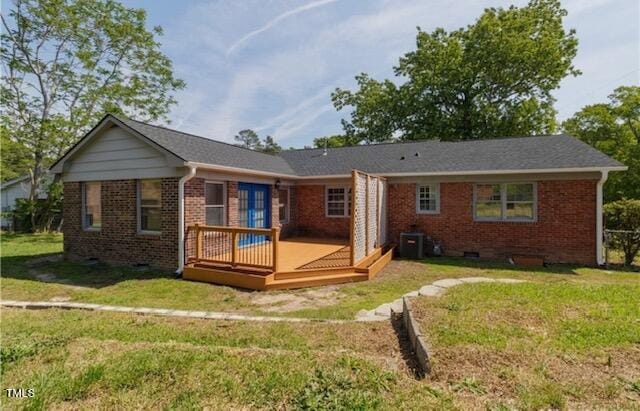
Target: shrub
[624,215]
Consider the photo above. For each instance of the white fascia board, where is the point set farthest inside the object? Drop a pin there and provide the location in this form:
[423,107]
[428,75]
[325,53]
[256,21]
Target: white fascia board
[409,174]
[498,172]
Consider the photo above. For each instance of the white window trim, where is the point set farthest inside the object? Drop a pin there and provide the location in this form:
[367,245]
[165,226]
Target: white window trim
[345,212]
[287,208]
[83,216]
[139,208]
[437,193]
[503,202]
[224,200]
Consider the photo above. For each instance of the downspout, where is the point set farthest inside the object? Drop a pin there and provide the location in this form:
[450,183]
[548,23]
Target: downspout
[599,223]
[181,229]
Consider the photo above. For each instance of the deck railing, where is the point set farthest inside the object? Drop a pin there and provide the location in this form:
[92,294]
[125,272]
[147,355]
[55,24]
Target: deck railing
[238,247]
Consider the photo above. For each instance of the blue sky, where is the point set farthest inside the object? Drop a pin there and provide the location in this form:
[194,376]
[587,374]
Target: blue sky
[271,65]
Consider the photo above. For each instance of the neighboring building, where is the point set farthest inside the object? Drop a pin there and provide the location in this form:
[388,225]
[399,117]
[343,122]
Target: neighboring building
[132,189]
[12,191]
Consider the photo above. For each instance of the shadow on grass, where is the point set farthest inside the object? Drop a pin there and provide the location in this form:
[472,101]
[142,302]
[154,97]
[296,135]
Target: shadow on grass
[50,268]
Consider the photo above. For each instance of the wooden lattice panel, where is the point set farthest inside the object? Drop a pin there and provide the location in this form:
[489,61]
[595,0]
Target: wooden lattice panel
[382,199]
[372,217]
[359,217]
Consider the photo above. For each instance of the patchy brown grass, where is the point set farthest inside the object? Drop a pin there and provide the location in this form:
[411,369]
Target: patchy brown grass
[533,346]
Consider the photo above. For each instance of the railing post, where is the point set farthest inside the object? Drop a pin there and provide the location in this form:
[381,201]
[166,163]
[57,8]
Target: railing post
[275,240]
[198,242]
[234,248]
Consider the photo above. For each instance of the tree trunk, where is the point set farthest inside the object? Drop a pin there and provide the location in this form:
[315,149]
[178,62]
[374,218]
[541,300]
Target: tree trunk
[33,191]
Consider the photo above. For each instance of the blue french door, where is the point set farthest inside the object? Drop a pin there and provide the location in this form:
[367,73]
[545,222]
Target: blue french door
[253,210]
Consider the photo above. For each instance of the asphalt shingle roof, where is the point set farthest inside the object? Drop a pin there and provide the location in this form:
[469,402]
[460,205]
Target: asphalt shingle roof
[520,153]
[512,154]
[197,149]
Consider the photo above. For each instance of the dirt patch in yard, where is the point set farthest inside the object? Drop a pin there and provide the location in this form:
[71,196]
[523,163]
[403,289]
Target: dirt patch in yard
[297,300]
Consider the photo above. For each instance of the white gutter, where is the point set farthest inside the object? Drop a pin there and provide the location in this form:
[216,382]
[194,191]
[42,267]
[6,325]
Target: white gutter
[181,229]
[407,174]
[599,224]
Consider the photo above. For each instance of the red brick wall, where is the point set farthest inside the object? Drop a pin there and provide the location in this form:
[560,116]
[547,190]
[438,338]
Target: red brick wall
[312,219]
[563,233]
[118,240]
[195,212]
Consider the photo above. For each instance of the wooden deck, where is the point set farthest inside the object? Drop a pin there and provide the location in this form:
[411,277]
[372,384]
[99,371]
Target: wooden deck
[301,262]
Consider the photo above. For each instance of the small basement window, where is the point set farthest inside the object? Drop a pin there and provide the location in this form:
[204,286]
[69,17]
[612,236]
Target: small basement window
[150,206]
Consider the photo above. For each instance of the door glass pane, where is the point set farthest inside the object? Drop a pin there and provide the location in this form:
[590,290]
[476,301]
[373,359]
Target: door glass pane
[243,207]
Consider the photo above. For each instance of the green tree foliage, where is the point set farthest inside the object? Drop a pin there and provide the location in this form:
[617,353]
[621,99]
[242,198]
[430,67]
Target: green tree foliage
[337,140]
[492,78]
[66,63]
[14,158]
[614,129]
[249,139]
[270,146]
[624,215]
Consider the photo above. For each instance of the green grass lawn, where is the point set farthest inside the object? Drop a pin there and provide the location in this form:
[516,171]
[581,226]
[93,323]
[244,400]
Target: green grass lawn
[92,360]
[32,270]
[537,346]
[569,338]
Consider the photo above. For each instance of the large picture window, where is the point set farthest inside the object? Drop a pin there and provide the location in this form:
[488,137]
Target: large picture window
[506,201]
[214,193]
[428,198]
[338,201]
[283,204]
[150,205]
[91,205]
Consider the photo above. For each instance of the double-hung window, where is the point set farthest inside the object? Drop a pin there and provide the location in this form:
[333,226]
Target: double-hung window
[150,206]
[91,205]
[214,193]
[338,201]
[505,202]
[283,205]
[428,198]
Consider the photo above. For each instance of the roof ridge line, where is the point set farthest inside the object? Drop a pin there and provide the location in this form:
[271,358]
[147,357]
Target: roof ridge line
[386,143]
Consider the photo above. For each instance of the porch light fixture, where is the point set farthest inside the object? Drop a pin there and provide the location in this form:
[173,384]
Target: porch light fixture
[277,185]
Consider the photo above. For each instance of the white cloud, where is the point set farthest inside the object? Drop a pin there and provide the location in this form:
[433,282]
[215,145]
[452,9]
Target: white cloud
[271,23]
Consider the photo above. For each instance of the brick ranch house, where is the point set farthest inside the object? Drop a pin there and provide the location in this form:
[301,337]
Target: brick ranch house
[136,193]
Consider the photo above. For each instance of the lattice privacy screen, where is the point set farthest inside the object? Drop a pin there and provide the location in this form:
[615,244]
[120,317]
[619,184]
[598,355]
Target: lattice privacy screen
[359,242]
[382,198]
[369,223]
[372,209]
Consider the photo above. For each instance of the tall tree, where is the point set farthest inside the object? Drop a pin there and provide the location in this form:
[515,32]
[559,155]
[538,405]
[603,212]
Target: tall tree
[492,78]
[67,62]
[270,146]
[614,128]
[248,139]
